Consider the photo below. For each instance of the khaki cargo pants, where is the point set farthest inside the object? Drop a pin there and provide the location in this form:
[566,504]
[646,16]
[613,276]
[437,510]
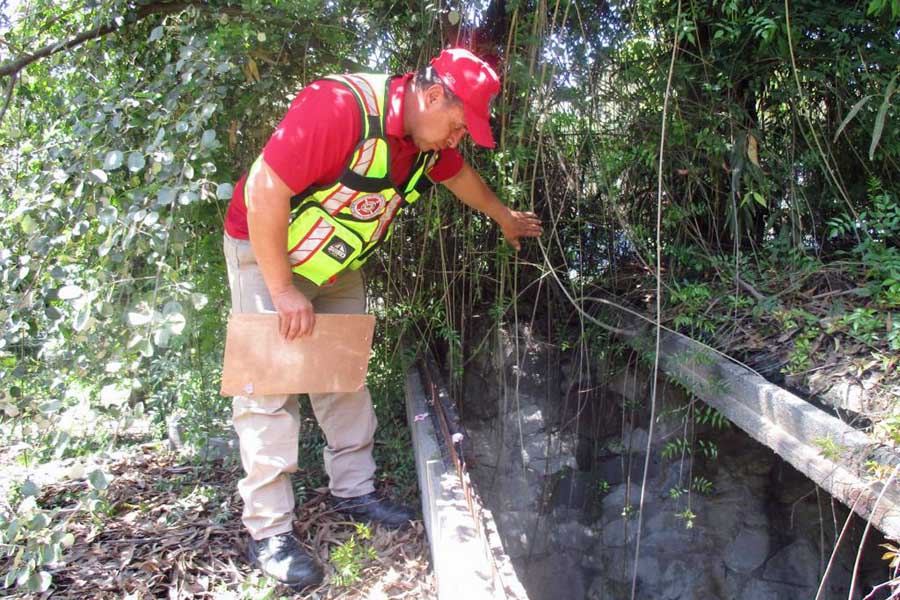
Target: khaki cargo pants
[269,426]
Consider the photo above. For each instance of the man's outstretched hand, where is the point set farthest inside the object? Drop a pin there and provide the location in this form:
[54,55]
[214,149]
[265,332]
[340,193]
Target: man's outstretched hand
[518,225]
[296,317]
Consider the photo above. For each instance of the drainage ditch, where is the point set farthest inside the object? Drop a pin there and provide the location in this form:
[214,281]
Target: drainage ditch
[557,461]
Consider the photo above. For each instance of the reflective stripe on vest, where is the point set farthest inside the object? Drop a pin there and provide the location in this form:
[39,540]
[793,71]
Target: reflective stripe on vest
[337,227]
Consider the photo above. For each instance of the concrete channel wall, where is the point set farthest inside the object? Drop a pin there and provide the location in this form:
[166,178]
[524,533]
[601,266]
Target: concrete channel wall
[466,551]
[822,447]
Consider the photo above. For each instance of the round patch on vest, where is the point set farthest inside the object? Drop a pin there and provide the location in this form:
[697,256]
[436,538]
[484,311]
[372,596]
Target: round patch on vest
[368,206]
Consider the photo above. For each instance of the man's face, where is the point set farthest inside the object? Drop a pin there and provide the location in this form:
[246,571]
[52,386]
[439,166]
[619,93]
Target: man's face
[440,124]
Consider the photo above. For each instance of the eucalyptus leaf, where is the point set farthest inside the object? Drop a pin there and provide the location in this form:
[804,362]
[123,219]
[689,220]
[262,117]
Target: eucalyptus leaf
[136,319]
[39,581]
[108,215]
[29,488]
[172,307]
[82,319]
[69,292]
[38,522]
[165,196]
[27,224]
[199,300]
[136,162]
[99,175]
[146,348]
[224,191]
[98,479]
[156,34]
[208,138]
[113,160]
[175,323]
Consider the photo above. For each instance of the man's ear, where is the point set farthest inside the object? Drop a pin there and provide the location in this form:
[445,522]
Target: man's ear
[434,94]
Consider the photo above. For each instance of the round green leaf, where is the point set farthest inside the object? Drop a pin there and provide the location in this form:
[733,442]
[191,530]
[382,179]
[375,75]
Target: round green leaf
[98,480]
[208,138]
[136,162]
[113,160]
[186,198]
[109,214]
[224,191]
[165,196]
[39,581]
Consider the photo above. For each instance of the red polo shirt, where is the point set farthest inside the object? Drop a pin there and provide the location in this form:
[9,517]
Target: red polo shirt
[314,141]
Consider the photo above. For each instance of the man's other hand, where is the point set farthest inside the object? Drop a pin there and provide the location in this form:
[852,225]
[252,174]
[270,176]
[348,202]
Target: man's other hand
[520,224]
[296,317]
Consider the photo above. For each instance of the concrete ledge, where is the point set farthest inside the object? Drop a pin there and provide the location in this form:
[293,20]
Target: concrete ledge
[466,553]
[796,430]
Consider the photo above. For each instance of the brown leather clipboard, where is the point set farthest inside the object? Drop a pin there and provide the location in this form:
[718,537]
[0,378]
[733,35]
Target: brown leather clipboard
[258,361]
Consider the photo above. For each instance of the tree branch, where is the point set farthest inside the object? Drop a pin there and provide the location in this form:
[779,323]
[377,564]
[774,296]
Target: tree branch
[9,94]
[158,8]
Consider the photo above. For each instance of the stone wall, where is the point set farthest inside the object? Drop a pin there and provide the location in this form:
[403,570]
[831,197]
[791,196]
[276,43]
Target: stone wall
[560,458]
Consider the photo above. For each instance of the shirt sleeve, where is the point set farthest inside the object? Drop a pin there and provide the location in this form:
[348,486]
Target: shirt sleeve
[312,143]
[448,164]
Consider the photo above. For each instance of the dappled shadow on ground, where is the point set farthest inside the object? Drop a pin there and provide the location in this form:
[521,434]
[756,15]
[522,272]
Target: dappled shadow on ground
[168,528]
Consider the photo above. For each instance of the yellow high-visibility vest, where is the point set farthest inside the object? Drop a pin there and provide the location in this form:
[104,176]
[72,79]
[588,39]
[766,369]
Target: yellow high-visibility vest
[338,226]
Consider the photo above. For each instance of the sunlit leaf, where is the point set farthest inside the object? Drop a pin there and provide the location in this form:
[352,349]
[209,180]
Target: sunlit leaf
[853,110]
[156,34]
[69,292]
[114,394]
[113,160]
[136,319]
[881,116]
[99,175]
[82,319]
[224,191]
[199,300]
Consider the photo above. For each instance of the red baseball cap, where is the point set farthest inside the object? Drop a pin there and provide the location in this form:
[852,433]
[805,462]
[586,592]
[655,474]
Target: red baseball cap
[476,84]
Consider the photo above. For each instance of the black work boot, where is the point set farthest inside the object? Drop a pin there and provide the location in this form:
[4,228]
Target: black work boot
[371,508]
[281,558]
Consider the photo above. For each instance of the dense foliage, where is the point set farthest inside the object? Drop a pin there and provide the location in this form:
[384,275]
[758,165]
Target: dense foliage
[120,150]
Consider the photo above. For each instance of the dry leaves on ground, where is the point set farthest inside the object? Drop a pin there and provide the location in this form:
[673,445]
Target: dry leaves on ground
[173,530]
